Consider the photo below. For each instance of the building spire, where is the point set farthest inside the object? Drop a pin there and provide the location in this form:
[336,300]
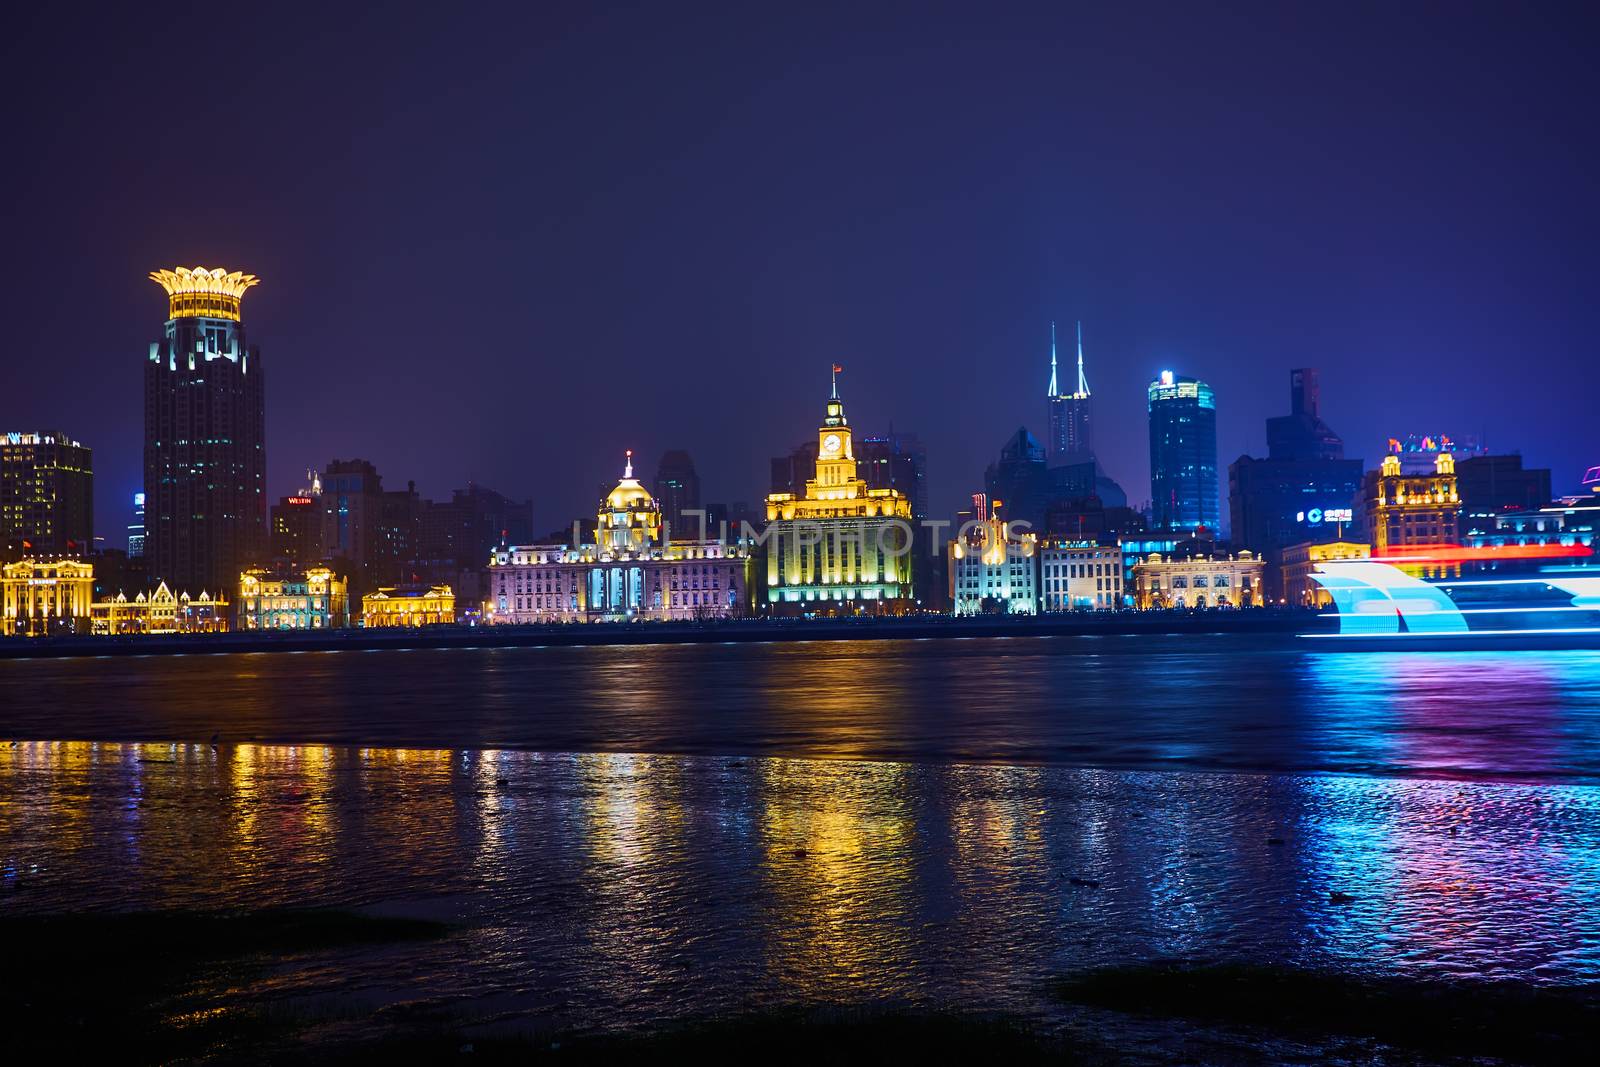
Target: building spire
[1051,390]
[1083,383]
[627,471]
[837,370]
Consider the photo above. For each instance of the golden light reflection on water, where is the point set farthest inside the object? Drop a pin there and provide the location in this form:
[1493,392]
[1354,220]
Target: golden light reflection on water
[605,882]
[840,869]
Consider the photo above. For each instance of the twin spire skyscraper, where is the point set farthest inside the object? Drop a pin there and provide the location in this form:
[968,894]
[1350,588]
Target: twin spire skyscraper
[1070,439]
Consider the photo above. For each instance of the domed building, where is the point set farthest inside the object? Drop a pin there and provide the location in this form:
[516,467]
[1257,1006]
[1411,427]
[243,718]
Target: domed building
[629,519]
[630,573]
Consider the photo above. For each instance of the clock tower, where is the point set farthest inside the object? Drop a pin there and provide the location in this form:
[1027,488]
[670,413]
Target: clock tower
[843,547]
[836,463]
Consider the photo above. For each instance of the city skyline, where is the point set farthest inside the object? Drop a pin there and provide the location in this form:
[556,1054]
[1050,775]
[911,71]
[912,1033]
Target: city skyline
[787,194]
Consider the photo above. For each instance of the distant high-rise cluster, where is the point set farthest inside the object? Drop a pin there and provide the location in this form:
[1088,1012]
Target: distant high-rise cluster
[1048,531]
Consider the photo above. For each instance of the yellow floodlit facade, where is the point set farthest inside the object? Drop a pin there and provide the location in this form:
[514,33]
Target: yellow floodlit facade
[842,547]
[161,612]
[1297,563]
[407,606]
[39,597]
[1200,582]
[200,292]
[316,599]
[1409,513]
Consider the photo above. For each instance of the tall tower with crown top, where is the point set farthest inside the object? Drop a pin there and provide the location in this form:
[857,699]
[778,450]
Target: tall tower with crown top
[205,464]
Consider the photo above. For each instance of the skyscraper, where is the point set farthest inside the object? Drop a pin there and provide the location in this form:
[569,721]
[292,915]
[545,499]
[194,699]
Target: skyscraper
[677,493]
[1301,434]
[1020,481]
[896,461]
[1183,454]
[1304,491]
[136,529]
[1070,439]
[204,436]
[46,496]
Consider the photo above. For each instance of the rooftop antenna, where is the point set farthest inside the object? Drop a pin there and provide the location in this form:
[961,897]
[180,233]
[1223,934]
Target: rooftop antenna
[1083,383]
[1052,391]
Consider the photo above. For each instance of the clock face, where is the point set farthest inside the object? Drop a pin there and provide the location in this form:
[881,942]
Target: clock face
[830,443]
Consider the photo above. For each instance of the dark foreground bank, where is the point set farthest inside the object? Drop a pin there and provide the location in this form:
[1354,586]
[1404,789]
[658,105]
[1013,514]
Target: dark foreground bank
[1216,621]
[159,987]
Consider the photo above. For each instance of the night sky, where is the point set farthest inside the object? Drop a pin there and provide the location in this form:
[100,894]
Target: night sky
[506,245]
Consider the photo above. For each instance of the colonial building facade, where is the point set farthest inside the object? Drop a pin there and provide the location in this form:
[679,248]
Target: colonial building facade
[408,606]
[1080,576]
[993,570]
[161,612]
[1199,582]
[1297,563]
[40,597]
[841,547]
[315,599]
[630,573]
[1406,514]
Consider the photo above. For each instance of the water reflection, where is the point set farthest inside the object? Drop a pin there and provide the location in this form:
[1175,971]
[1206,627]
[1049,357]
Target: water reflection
[1203,703]
[610,889]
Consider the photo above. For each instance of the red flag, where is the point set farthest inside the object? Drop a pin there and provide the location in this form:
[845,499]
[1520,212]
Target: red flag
[838,368]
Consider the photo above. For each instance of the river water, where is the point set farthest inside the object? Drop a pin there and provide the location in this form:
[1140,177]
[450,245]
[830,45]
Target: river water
[633,834]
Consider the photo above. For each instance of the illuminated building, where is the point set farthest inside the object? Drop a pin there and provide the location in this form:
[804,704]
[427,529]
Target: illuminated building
[1407,511]
[1080,576]
[1419,452]
[993,570]
[842,547]
[45,596]
[204,435]
[1296,585]
[159,613]
[628,573]
[136,528]
[888,461]
[313,599]
[1070,438]
[409,606]
[1183,454]
[46,496]
[1198,582]
[1571,522]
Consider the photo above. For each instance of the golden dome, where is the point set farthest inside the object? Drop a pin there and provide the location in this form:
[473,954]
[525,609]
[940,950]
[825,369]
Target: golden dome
[629,495]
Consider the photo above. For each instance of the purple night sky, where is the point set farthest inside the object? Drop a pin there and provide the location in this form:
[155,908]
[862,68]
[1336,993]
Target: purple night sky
[504,245]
